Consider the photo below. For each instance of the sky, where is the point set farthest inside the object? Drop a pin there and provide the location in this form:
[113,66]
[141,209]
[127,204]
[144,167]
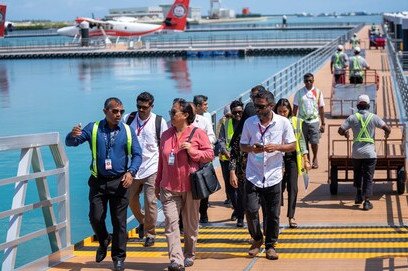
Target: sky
[66,10]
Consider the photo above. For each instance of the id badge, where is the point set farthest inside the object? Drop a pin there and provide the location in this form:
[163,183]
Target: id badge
[108,164]
[259,157]
[171,159]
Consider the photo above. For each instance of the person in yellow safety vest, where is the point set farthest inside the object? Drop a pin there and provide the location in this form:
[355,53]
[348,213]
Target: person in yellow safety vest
[116,157]
[354,41]
[338,65]
[357,67]
[364,157]
[295,162]
[226,132]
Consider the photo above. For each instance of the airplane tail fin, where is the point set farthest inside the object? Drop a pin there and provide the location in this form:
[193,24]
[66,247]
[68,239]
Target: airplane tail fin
[176,18]
[2,20]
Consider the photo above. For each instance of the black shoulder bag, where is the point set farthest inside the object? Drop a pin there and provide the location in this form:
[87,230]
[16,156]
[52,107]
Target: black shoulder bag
[204,181]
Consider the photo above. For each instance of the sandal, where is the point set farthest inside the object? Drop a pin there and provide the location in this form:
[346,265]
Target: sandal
[292,223]
[315,165]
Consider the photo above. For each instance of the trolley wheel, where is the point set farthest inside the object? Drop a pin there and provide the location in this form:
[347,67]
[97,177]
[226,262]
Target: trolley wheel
[401,177]
[333,180]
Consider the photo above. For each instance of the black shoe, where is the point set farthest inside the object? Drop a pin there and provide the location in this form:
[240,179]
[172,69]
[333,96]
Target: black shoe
[149,242]
[140,230]
[102,250]
[233,217]
[367,205]
[227,201]
[175,267]
[204,220]
[118,265]
[240,223]
[359,198]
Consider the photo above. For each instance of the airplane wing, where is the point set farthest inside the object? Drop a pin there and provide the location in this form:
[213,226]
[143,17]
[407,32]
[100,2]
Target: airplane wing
[92,21]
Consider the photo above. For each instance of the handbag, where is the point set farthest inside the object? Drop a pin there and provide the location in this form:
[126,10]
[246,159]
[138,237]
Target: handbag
[204,181]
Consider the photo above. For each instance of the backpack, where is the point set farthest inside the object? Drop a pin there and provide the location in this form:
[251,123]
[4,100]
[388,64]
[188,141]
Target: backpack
[157,124]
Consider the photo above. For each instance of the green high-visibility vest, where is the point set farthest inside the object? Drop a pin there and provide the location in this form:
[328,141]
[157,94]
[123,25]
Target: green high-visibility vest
[357,69]
[229,128]
[363,135]
[337,62]
[297,124]
[94,170]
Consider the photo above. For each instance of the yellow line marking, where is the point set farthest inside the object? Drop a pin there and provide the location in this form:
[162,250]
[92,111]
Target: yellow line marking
[340,236]
[378,245]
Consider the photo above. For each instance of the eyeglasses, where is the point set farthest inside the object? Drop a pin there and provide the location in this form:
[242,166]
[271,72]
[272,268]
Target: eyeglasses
[238,112]
[173,112]
[116,111]
[260,106]
[144,107]
[308,81]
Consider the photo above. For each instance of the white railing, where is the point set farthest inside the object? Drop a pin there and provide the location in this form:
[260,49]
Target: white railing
[31,168]
[288,80]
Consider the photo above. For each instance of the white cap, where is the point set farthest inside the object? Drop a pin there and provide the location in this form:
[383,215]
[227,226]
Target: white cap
[357,49]
[340,47]
[363,98]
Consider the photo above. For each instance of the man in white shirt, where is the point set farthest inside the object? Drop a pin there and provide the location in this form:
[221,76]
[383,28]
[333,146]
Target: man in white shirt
[203,123]
[308,104]
[201,105]
[148,127]
[265,137]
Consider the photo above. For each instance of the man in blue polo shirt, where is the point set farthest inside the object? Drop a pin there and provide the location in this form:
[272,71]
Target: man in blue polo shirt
[112,143]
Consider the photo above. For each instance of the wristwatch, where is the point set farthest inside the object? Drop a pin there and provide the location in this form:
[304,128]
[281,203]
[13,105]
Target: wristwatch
[132,172]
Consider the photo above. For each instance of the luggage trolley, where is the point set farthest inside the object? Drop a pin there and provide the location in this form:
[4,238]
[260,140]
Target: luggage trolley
[391,154]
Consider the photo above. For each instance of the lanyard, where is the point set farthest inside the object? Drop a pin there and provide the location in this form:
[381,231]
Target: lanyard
[109,141]
[264,132]
[140,126]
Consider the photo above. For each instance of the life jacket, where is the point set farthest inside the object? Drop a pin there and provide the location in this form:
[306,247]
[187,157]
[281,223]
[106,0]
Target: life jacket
[94,170]
[229,132]
[363,135]
[297,129]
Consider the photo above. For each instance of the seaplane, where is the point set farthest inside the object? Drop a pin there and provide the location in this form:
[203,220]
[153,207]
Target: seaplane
[3,24]
[175,22]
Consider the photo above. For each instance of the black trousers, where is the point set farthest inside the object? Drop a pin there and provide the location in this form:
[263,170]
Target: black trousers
[290,181]
[232,192]
[363,175]
[103,191]
[356,80]
[204,208]
[269,198]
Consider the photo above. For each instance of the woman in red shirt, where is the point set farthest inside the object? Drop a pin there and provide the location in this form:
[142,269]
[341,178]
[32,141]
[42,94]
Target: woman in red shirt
[177,158]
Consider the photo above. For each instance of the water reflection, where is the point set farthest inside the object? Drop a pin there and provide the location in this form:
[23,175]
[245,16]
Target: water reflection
[133,71]
[178,70]
[4,87]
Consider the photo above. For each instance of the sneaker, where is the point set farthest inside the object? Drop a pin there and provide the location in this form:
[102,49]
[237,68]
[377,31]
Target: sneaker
[271,254]
[358,199]
[240,223]
[233,216]
[204,220]
[149,242]
[255,248]
[367,205]
[188,262]
[175,267]
[292,223]
[140,230]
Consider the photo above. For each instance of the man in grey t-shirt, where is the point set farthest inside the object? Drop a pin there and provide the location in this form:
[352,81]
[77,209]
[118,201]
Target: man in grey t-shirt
[363,124]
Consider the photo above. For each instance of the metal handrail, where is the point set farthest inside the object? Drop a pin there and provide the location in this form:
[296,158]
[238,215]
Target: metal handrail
[288,80]
[57,220]
[397,73]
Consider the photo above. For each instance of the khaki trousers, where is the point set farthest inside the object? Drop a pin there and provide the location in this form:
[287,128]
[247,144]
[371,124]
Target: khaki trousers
[148,216]
[173,204]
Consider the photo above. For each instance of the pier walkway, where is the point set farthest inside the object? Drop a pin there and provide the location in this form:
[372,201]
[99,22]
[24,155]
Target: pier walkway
[333,233]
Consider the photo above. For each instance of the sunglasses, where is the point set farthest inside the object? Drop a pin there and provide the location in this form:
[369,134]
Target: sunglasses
[260,106]
[116,111]
[308,81]
[173,112]
[144,107]
[238,112]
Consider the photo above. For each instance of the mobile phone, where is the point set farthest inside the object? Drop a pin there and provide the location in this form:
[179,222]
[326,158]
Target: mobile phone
[258,145]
